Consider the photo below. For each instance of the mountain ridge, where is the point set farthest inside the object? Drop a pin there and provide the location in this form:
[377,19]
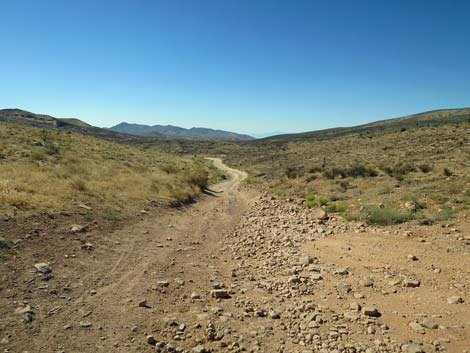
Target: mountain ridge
[429,118]
[179,132]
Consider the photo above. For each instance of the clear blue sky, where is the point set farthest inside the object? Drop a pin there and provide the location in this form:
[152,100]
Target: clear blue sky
[243,65]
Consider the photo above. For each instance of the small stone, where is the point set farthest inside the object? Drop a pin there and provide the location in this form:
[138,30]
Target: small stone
[455,299]
[85,324]
[305,260]
[163,283]
[355,306]
[430,324]
[151,340]
[416,327]
[294,280]
[43,268]
[195,295]
[343,287]
[411,283]
[76,228]
[371,311]
[370,330]
[25,310]
[317,277]
[220,294]
[342,271]
[273,314]
[366,282]
[412,258]
[87,246]
[143,304]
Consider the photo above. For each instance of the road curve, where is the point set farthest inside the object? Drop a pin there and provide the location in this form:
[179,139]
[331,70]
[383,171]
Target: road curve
[235,176]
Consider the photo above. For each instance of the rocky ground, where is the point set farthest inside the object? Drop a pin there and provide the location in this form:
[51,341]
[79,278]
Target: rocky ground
[240,272]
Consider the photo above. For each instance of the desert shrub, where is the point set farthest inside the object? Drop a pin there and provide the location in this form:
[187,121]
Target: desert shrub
[311,178]
[337,197]
[180,198]
[447,172]
[425,168]
[169,168]
[398,170]
[310,200]
[311,203]
[315,169]
[346,185]
[336,207]
[384,189]
[279,192]
[383,216]
[38,156]
[15,198]
[3,246]
[309,196]
[51,149]
[198,177]
[79,184]
[323,201]
[360,170]
[113,215]
[355,171]
[444,214]
[294,172]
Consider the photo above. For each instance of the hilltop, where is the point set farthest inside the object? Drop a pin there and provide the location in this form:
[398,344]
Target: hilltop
[429,118]
[24,117]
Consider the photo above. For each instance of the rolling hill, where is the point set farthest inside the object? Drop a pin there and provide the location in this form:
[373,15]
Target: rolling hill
[24,117]
[430,118]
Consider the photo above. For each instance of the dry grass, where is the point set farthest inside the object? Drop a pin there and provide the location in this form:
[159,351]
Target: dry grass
[51,170]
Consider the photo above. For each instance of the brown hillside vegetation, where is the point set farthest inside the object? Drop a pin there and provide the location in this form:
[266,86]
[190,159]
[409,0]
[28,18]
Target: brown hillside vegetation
[50,170]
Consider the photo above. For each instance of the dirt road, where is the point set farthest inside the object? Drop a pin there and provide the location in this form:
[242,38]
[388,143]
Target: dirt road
[92,301]
[237,272]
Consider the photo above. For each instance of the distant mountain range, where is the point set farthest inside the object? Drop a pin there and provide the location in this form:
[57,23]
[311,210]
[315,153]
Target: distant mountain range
[179,132]
[123,131]
[131,132]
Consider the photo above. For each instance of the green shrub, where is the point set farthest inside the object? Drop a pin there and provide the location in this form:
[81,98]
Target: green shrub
[323,201]
[444,214]
[113,215]
[425,168]
[279,192]
[3,244]
[311,203]
[336,207]
[310,200]
[337,198]
[383,216]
